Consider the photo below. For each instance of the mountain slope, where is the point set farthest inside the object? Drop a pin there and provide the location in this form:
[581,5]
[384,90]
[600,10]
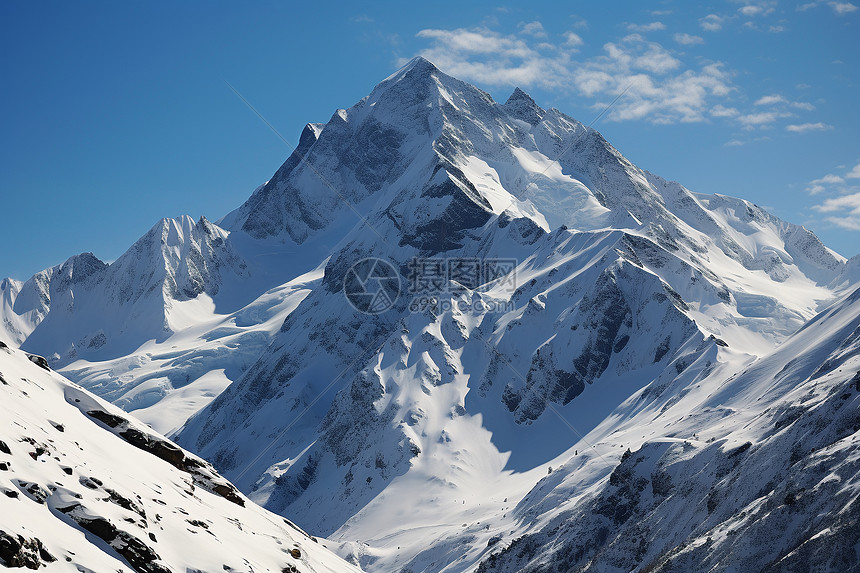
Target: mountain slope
[88,489]
[750,470]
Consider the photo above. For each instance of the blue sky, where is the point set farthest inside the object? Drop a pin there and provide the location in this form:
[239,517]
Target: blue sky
[116,114]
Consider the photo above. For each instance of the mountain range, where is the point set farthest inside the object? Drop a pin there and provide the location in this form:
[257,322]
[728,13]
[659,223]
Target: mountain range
[650,379]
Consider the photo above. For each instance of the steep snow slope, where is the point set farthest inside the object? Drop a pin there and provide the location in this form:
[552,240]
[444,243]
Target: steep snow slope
[87,489]
[725,469]
[164,382]
[89,309]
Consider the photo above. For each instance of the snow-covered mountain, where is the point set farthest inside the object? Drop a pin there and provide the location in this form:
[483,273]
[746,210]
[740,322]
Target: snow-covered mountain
[724,469]
[87,488]
[429,437]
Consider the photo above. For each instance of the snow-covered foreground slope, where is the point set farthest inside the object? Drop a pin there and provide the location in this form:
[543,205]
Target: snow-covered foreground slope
[85,488]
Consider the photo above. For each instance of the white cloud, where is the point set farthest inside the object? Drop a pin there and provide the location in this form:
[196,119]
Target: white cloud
[839,8]
[842,7]
[573,40]
[493,59]
[533,29]
[770,100]
[828,179]
[711,23]
[758,8]
[848,209]
[722,111]
[652,27]
[833,182]
[751,10]
[776,100]
[660,88]
[776,29]
[578,22]
[658,85]
[761,119]
[688,39]
[804,127]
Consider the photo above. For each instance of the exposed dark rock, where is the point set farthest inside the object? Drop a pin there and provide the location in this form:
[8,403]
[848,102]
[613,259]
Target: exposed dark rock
[110,420]
[165,450]
[16,551]
[39,361]
[33,490]
[125,503]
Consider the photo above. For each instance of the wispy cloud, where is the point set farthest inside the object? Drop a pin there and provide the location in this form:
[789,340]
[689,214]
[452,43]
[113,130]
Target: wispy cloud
[770,100]
[760,9]
[761,119]
[804,127]
[842,7]
[848,209]
[572,40]
[819,185]
[660,87]
[839,8]
[490,58]
[722,111]
[651,27]
[711,23]
[533,29]
[842,207]
[688,39]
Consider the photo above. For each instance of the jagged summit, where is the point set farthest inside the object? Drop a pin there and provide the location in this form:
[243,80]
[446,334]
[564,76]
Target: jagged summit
[521,106]
[417,66]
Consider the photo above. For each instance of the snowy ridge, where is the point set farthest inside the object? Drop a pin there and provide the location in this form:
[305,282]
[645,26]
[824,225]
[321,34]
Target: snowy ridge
[88,489]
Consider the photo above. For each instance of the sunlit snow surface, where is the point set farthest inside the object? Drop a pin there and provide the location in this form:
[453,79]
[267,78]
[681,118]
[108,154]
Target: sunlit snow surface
[64,468]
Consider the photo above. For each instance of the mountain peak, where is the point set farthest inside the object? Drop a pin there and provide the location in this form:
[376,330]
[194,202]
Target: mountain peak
[417,67]
[520,105]
[520,95]
[420,63]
